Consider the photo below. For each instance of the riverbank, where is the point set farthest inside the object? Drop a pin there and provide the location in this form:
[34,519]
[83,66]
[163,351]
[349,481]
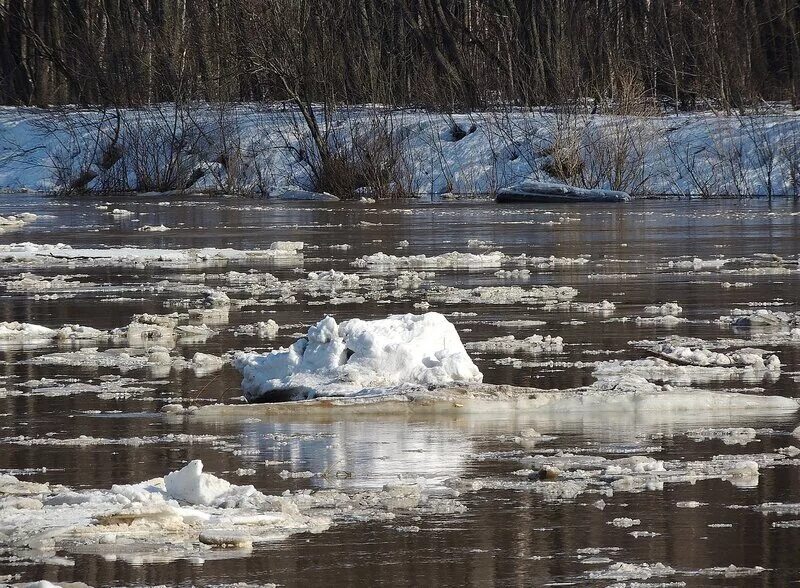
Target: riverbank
[376,152]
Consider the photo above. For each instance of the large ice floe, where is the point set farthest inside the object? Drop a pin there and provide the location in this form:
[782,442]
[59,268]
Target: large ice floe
[190,514]
[417,362]
[357,356]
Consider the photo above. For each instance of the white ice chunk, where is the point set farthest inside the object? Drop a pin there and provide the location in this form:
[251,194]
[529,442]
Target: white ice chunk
[191,485]
[422,350]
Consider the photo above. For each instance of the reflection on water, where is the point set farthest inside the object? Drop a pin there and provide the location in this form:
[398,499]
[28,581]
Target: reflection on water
[507,536]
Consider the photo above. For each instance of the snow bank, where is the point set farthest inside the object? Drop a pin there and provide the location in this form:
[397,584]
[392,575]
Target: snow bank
[687,154]
[342,360]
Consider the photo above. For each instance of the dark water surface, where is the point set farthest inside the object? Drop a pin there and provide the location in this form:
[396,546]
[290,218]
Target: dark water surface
[506,537]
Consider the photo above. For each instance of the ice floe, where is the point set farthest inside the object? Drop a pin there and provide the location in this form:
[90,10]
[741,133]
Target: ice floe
[532,345]
[49,255]
[15,222]
[417,350]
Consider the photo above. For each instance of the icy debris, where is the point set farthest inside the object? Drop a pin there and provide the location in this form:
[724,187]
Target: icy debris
[120,212]
[752,358]
[191,485]
[263,330]
[18,332]
[28,282]
[729,436]
[172,516]
[286,474]
[532,345]
[147,329]
[790,451]
[215,299]
[88,441]
[662,371]
[627,571]
[58,254]
[408,529]
[446,260]
[421,350]
[519,324]
[638,534]
[583,473]
[625,522]
[666,320]
[410,280]
[154,357]
[558,490]
[761,318]
[332,280]
[204,363]
[478,244]
[668,308]
[164,329]
[603,307]
[515,273]
[698,264]
[154,229]
[502,295]
[23,334]
[690,504]
[732,571]
[239,278]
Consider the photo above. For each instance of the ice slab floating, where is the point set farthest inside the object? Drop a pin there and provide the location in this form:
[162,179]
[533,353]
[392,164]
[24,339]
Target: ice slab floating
[550,192]
[622,398]
[356,356]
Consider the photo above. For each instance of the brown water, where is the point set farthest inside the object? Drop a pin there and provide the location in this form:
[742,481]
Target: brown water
[506,537]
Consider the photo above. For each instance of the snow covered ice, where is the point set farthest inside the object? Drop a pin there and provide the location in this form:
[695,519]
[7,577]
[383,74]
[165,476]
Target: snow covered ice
[356,356]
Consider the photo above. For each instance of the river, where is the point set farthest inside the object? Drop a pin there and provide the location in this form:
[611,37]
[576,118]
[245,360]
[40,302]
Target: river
[644,253]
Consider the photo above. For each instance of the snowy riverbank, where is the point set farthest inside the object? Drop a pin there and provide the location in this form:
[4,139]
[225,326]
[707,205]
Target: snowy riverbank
[260,150]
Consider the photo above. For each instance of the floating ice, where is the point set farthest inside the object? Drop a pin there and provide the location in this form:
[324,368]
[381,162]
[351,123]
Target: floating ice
[502,295]
[418,350]
[58,254]
[451,260]
[664,309]
[264,330]
[532,345]
[761,318]
[756,359]
[191,485]
[171,517]
[15,222]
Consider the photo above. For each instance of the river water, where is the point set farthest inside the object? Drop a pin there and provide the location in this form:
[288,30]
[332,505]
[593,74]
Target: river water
[508,535]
